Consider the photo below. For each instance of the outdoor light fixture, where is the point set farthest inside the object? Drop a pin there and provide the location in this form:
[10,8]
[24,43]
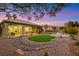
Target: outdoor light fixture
[0,21]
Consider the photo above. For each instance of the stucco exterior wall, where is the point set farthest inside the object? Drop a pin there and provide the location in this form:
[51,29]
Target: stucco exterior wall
[6,34]
[5,30]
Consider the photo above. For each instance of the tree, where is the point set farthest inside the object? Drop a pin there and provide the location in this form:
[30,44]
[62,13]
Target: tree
[70,29]
[8,16]
[76,24]
[14,16]
[70,24]
[37,9]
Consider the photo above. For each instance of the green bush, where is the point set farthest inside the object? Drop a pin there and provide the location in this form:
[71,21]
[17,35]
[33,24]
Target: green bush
[49,30]
[71,30]
[62,27]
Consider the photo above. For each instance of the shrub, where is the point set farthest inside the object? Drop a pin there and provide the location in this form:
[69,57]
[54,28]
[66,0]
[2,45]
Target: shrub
[46,54]
[71,30]
[49,30]
[77,43]
[12,33]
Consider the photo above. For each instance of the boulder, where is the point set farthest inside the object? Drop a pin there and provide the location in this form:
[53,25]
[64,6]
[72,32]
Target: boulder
[20,52]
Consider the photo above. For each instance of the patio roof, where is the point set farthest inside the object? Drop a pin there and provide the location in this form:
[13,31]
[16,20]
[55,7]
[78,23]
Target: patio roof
[18,21]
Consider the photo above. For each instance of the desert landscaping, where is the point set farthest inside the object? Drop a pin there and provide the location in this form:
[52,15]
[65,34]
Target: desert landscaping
[22,46]
[39,29]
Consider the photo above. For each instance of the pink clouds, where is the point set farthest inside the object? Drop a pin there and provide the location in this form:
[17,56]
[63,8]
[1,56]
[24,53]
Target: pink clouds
[54,23]
[68,13]
[58,20]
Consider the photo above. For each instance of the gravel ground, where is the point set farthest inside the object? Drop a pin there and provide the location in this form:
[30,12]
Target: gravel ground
[6,47]
[58,47]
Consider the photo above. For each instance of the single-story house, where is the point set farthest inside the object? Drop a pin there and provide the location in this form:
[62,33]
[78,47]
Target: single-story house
[13,28]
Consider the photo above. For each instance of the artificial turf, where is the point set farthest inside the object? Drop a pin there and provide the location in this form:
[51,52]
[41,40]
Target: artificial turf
[41,38]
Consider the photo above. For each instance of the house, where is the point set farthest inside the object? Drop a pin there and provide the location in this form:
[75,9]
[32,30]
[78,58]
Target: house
[49,28]
[14,28]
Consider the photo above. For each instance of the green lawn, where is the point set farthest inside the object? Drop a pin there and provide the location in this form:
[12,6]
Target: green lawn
[41,38]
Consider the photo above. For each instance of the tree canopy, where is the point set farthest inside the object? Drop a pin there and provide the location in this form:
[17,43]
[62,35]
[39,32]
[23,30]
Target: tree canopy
[72,24]
[72,27]
[36,9]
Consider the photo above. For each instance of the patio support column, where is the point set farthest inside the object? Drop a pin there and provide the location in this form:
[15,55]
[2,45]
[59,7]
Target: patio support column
[23,30]
[5,31]
[43,29]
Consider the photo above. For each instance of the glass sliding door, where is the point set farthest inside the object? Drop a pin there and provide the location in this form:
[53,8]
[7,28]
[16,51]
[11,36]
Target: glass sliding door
[28,30]
[15,30]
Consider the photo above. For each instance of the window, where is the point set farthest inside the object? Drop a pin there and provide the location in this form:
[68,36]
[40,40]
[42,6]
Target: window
[15,30]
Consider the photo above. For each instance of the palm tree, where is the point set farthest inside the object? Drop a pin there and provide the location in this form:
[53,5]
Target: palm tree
[8,16]
[14,16]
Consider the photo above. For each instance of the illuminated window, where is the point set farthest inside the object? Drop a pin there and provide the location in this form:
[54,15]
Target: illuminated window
[28,30]
[15,30]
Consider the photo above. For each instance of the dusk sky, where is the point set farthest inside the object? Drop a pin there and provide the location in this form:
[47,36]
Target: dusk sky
[68,13]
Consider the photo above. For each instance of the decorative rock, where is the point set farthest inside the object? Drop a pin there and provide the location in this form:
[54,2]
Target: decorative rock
[19,51]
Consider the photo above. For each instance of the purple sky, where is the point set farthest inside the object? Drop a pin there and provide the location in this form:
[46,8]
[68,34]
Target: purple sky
[68,13]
